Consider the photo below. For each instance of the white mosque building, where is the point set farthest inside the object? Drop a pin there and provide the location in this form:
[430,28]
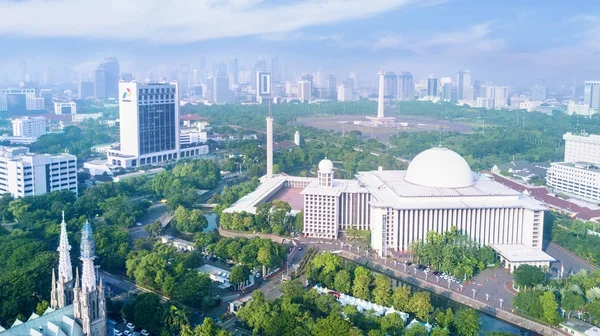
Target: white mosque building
[437,191]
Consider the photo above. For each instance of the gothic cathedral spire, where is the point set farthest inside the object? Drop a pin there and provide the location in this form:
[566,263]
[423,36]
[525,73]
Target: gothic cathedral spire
[65,270]
[88,273]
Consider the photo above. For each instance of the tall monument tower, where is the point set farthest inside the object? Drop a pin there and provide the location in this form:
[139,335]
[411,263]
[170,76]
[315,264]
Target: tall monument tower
[380,102]
[269,144]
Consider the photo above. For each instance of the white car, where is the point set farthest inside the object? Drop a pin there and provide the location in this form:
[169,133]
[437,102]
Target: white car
[130,325]
[145,333]
[138,224]
[118,333]
[127,333]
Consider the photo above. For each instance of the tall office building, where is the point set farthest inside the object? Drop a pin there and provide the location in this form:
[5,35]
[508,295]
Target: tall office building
[107,79]
[32,127]
[304,91]
[330,87]
[263,86]
[27,174]
[18,101]
[500,96]
[221,89]
[344,93]
[261,64]
[86,89]
[275,72]
[464,85]
[234,70]
[149,129]
[447,92]
[406,87]
[46,95]
[538,93]
[591,95]
[354,80]
[433,86]
[391,85]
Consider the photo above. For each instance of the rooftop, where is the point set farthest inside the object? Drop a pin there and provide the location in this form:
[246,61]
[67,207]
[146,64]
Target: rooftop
[590,167]
[581,327]
[522,253]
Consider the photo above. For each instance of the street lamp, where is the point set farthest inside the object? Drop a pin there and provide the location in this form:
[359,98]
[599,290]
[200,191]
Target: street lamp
[501,301]
[487,297]
[473,293]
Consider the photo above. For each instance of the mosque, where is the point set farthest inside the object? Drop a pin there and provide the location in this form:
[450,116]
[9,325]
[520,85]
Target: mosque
[437,191]
[77,306]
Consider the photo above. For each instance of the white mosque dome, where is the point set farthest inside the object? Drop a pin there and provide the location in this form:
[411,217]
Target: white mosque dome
[326,166]
[440,168]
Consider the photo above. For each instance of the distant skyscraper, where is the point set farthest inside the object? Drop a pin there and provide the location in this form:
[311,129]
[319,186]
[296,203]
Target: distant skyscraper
[107,79]
[202,63]
[447,92]
[234,71]
[127,76]
[221,89]
[275,72]
[433,86]
[330,87]
[305,90]
[538,93]
[391,85]
[261,64]
[464,84]
[406,87]
[263,86]
[344,93]
[591,95]
[86,89]
[354,80]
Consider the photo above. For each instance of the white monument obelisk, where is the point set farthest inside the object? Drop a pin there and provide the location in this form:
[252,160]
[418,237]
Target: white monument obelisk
[269,143]
[380,103]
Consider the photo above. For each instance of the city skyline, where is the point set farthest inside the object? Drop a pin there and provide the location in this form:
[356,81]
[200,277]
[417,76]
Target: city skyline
[512,43]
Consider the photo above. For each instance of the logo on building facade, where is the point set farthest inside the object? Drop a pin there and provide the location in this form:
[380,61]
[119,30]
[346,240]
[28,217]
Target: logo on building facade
[126,95]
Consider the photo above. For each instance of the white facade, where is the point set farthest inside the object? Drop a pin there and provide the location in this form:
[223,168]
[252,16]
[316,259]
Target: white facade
[33,127]
[263,85]
[304,91]
[344,93]
[27,174]
[582,148]
[500,97]
[65,108]
[191,135]
[149,124]
[485,102]
[221,89]
[529,106]
[582,180]
[464,85]
[579,109]
[22,99]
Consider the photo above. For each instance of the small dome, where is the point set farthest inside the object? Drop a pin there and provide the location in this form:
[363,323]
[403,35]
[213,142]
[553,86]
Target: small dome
[439,168]
[326,166]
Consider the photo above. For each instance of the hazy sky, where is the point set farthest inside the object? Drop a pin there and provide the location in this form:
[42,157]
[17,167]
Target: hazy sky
[507,41]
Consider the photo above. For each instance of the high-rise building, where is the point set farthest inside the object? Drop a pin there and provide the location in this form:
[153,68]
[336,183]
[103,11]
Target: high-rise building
[591,95]
[485,102]
[46,94]
[433,86]
[27,174]
[391,85]
[149,124]
[330,86]
[406,87]
[263,86]
[261,64]
[107,79]
[464,85]
[354,80]
[221,89]
[447,92]
[32,127]
[86,89]
[304,91]
[234,70]
[538,93]
[500,96]
[275,72]
[582,147]
[344,93]
[127,76]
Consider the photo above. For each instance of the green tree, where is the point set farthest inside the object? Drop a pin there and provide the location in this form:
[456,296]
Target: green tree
[416,329]
[392,324]
[299,222]
[342,282]
[331,325]
[444,319]
[361,284]
[440,332]
[420,304]
[382,293]
[146,308]
[175,319]
[401,298]
[528,276]
[41,307]
[154,229]
[193,288]
[466,322]
[239,274]
[549,308]
[572,301]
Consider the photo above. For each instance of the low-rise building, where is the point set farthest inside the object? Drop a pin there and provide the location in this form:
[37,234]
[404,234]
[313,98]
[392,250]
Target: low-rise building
[579,328]
[30,127]
[179,244]
[28,174]
[578,179]
[65,108]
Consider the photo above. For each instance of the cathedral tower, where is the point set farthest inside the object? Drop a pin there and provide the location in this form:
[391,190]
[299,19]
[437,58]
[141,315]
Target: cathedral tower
[62,288]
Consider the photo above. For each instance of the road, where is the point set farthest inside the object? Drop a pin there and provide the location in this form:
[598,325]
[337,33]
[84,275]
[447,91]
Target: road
[155,212]
[571,262]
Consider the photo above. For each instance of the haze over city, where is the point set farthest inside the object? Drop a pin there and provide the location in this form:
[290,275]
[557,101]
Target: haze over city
[513,42]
